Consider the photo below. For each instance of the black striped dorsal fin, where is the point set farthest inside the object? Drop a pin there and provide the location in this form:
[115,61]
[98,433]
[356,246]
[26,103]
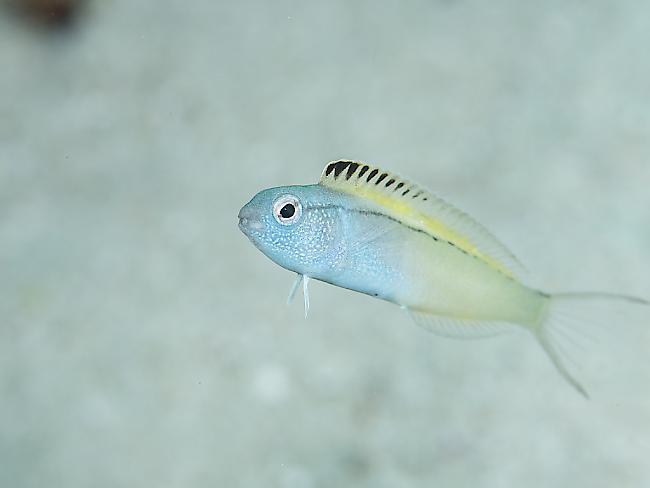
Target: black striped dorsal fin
[418,208]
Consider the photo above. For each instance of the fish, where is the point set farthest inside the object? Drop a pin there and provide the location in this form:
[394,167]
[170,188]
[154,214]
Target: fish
[374,232]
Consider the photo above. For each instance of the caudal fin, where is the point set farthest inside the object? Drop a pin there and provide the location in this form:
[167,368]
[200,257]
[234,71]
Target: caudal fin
[561,320]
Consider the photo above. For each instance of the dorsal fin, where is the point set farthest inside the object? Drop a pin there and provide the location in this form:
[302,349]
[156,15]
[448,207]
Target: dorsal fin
[420,209]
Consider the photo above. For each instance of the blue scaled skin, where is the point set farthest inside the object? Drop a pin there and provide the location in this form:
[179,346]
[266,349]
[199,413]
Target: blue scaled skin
[325,238]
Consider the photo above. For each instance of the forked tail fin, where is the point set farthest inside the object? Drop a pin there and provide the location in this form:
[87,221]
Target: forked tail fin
[560,320]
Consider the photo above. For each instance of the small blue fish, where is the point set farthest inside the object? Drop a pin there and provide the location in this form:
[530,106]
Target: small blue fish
[371,231]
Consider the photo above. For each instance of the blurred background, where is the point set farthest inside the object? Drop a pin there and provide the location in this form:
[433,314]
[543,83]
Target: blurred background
[145,342]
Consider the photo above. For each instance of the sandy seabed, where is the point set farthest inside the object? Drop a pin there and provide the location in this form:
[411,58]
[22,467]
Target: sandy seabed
[145,342]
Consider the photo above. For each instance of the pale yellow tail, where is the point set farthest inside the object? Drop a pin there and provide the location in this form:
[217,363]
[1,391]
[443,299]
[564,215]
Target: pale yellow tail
[563,313]
[564,321]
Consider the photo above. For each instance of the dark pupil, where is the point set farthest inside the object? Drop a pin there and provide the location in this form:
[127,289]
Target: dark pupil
[287,211]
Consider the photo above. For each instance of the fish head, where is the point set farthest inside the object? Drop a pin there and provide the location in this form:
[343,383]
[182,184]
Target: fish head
[297,227]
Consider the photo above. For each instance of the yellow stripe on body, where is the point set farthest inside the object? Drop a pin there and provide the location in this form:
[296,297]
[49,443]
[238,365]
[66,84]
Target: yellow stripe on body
[412,217]
[418,213]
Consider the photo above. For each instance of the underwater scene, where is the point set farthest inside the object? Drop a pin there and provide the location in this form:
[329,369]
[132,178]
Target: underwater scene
[324,244]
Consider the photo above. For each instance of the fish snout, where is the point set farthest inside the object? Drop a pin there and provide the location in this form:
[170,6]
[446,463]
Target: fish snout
[249,220]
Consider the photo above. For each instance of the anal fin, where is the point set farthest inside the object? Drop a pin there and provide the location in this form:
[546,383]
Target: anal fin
[459,328]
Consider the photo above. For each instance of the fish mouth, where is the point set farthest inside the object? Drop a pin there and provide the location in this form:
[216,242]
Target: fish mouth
[248,224]
[243,222]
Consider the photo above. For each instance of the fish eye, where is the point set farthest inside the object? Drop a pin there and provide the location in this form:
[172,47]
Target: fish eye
[287,209]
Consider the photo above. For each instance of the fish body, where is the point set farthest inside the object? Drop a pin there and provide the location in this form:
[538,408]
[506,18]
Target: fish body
[373,232]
